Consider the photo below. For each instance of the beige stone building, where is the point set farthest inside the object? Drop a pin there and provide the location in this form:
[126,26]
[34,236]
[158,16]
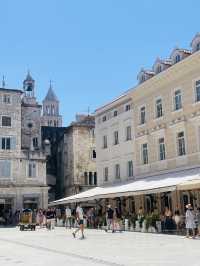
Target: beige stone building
[22,161]
[77,156]
[165,123]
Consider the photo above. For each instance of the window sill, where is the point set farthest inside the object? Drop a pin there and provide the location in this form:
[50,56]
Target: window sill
[126,140]
[142,125]
[177,111]
[159,118]
[196,103]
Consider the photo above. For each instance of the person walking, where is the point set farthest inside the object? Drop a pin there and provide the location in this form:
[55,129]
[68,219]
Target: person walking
[198,220]
[109,219]
[40,218]
[190,221]
[68,216]
[80,220]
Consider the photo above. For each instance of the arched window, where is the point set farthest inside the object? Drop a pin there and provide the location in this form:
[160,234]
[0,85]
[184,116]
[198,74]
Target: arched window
[198,46]
[55,124]
[177,58]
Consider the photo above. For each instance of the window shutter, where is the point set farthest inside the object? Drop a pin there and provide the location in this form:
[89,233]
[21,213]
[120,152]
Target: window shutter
[6,168]
[13,143]
[1,169]
[33,170]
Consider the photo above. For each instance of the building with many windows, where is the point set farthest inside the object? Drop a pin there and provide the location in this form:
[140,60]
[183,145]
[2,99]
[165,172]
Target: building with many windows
[77,156]
[115,140]
[22,160]
[156,140]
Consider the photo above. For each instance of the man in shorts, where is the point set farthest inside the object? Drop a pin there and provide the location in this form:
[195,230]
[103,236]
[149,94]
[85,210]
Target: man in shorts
[80,219]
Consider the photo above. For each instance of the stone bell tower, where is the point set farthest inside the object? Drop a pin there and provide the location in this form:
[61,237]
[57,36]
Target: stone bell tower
[51,116]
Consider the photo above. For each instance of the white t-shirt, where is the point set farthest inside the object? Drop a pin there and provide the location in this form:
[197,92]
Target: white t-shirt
[68,212]
[79,210]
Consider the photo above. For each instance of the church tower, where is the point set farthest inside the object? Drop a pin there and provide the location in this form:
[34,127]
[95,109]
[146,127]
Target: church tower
[29,89]
[51,117]
[31,116]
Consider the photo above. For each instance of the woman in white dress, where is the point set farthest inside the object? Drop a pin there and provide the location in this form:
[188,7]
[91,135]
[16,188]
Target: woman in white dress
[190,221]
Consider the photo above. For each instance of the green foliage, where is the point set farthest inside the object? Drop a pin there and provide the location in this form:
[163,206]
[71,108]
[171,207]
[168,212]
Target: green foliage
[151,220]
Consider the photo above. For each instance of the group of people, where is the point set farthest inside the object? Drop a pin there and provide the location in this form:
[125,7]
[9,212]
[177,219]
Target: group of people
[111,219]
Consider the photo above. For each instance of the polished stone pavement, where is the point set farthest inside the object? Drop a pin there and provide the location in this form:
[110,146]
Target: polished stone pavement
[57,247]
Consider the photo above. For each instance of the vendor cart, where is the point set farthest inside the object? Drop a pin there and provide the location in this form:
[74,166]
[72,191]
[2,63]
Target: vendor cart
[26,221]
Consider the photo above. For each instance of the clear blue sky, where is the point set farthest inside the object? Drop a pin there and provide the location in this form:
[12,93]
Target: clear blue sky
[91,49]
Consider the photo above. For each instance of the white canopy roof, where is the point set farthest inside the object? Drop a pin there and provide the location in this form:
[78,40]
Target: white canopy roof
[148,185]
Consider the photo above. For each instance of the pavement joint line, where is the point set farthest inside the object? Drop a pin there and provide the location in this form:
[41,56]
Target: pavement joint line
[69,254]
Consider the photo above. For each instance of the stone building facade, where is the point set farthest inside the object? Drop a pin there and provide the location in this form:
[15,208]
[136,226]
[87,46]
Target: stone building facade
[77,156]
[22,171]
[22,168]
[114,141]
[166,127]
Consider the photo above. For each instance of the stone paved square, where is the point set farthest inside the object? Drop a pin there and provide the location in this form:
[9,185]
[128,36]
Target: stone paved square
[57,247]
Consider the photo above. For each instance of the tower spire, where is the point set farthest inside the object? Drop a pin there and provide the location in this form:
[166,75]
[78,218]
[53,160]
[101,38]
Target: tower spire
[3,82]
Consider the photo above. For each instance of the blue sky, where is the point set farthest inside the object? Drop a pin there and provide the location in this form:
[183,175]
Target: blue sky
[92,50]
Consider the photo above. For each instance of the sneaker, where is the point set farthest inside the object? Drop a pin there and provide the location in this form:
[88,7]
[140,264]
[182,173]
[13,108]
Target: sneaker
[74,235]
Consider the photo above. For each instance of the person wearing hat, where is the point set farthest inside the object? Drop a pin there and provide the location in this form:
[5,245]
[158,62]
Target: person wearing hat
[190,221]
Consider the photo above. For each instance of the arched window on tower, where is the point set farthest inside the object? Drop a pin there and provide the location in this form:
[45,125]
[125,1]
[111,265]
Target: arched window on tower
[55,124]
[53,110]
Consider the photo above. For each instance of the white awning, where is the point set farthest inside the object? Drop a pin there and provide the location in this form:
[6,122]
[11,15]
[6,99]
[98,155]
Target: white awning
[148,185]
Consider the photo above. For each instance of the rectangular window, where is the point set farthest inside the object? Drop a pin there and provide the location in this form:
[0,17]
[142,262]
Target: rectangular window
[105,174]
[198,91]
[115,113]
[159,111]
[104,118]
[117,171]
[127,107]
[128,133]
[145,153]
[6,143]
[142,115]
[116,138]
[181,144]
[177,100]
[95,178]
[32,169]
[90,178]
[5,168]
[6,99]
[35,142]
[161,149]
[94,155]
[6,121]
[130,168]
[86,178]
[105,144]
